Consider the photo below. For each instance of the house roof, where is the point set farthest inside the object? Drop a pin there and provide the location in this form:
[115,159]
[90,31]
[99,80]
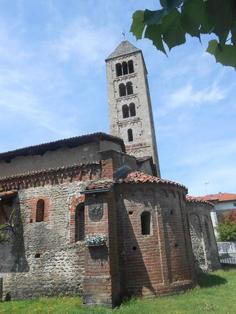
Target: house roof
[125,47]
[132,177]
[69,142]
[193,199]
[219,197]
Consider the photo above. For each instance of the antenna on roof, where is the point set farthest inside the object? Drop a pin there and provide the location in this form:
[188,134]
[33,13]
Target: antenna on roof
[206,184]
[123,34]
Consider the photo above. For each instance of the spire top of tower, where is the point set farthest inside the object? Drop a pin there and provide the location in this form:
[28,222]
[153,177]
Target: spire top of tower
[125,47]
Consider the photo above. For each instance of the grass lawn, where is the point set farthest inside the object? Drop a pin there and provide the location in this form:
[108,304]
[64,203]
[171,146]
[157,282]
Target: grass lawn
[216,294]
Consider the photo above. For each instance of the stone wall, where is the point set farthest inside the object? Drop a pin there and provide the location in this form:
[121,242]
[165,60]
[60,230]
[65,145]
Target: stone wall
[53,264]
[202,236]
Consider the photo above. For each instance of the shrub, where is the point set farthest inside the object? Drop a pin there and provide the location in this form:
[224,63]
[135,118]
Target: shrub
[227,231]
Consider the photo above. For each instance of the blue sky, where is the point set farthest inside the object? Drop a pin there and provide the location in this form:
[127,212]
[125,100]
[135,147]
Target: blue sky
[53,85]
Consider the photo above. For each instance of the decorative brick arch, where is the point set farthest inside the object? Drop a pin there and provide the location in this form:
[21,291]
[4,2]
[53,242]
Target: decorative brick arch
[33,204]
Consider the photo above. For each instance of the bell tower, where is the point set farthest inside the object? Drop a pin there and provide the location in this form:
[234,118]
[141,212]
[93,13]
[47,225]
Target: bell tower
[130,109]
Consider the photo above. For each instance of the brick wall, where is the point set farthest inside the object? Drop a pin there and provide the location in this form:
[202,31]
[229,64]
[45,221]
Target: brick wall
[162,261]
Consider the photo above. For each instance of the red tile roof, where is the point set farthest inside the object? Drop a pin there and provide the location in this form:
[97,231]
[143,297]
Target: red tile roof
[100,185]
[219,197]
[193,199]
[132,177]
[8,194]
[141,177]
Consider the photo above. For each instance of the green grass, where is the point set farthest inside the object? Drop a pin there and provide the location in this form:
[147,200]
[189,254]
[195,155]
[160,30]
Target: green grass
[216,293]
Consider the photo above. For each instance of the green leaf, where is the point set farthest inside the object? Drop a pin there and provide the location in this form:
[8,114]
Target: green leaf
[225,54]
[172,30]
[153,17]
[222,15]
[138,24]
[170,4]
[233,33]
[153,32]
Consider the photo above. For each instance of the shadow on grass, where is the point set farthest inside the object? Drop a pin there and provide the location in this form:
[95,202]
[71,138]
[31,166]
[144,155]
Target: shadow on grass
[210,280]
[228,267]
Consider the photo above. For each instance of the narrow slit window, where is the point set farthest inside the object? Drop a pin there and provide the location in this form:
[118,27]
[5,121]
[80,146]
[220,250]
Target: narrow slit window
[79,223]
[146,223]
[118,69]
[40,211]
[131,66]
[122,90]
[132,110]
[130,135]
[125,111]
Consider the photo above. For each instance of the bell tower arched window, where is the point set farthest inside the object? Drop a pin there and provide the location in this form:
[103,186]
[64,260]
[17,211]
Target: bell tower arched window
[146,223]
[125,68]
[40,211]
[132,110]
[118,69]
[130,135]
[125,111]
[122,90]
[131,66]
[129,88]
[79,223]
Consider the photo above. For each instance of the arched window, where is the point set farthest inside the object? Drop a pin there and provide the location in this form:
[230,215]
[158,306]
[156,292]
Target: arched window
[79,222]
[129,88]
[122,90]
[40,211]
[125,111]
[130,135]
[125,68]
[130,66]
[118,69]
[132,110]
[146,223]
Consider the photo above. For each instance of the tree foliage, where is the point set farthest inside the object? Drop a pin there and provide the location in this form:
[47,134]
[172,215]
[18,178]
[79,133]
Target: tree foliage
[177,18]
[227,231]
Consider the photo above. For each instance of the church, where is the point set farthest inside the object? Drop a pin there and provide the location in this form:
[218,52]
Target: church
[91,215]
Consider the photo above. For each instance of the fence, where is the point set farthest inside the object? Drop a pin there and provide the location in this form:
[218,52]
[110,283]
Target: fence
[227,252]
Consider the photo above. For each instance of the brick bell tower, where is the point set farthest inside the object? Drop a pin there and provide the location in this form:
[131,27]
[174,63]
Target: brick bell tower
[130,109]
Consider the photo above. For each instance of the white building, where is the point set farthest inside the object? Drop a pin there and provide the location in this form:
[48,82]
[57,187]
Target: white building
[223,204]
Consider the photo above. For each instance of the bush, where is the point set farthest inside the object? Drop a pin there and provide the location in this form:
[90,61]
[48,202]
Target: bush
[227,231]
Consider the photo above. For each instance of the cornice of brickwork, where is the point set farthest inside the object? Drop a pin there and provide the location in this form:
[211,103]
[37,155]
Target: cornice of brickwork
[54,176]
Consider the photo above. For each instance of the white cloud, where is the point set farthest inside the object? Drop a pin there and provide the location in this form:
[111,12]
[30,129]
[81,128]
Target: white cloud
[86,42]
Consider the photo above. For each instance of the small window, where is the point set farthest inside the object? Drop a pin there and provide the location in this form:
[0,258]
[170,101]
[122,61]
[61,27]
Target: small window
[125,68]
[40,211]
[125,111]
[132,110]
[129,88]
[118,69]
[234,204]
[130,135]
[131,66]
[122,90]
[146,223]
[79,223]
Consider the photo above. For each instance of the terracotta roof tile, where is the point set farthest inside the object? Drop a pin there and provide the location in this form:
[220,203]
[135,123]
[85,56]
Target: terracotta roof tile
[194,199]
[141,177]
[100,185]
[8,194]
[219,197]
